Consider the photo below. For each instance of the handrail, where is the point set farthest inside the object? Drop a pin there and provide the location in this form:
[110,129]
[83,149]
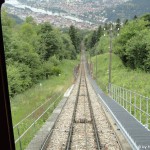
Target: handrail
[32,112]
[133,102]
[130,91]
[37,119]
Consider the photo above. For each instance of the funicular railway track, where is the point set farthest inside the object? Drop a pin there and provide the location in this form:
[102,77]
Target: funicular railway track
[82,124]
[83,132]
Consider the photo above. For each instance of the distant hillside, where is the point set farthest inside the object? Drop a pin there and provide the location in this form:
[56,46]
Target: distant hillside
[98,10]
[16,18]
[128,10]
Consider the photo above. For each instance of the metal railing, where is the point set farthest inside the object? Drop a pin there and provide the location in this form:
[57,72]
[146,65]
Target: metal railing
[33,121]
[136,104]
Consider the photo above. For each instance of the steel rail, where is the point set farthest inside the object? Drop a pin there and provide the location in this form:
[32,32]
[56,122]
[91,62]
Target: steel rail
[85,128]
[93,119]
[68,144]
[44,145]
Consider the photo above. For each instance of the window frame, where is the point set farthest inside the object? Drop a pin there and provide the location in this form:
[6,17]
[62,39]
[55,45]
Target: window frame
[6,128]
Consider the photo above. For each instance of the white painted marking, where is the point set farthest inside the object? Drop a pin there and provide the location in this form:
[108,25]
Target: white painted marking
[129,139]
[68,92]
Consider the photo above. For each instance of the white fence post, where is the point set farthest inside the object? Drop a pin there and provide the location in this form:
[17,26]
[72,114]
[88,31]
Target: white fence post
[19,138]
[147,116]
[130,101]
[136,104]
[140,109]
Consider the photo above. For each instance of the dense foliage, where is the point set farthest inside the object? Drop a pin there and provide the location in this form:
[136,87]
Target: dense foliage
[33,52]
[92,39]
[128,10]
[132,45]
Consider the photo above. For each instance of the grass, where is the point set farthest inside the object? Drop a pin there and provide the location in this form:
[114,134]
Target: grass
[135,80]
[23,104]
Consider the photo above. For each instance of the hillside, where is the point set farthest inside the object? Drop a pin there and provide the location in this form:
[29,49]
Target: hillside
[45,93]
[128,10]
[134,80]
[93,11]
[16,19]
[109,9]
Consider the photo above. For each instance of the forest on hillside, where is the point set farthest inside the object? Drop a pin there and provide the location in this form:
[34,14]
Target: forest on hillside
[132,45]
[34,51]
[128,10]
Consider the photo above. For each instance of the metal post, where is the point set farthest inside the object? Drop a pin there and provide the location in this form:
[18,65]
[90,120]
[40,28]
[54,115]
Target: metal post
[113,92]
[147,112]
[19,138]
[123,97]
[96,66]
[120,96]
[90,66]
[54,106]
[117,94]
[126,101]
[135,105]
[130,101]
[140,110]
[110,56]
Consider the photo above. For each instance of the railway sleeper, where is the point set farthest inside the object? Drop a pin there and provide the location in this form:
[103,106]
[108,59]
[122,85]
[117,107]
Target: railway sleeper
[83,121]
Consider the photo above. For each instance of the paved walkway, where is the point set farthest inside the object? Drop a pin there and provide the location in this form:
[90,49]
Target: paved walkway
[137,135]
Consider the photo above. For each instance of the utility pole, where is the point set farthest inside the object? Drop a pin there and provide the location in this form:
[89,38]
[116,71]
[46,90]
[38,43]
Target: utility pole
[90,65]
[110,55]
[110,60]
[96,66]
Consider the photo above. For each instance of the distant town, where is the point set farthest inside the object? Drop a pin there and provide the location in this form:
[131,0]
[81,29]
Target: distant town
[84,14]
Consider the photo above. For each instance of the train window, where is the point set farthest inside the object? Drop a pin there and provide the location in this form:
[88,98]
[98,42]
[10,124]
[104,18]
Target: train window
[41,41]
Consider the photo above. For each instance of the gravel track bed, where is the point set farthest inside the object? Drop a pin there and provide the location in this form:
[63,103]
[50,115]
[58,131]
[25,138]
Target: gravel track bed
[107,136]
[83,135]
[83,91]
[59,135]
[81,139]
[83,112]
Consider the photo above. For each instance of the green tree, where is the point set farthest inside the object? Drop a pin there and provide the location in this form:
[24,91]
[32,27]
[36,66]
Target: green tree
[126,21]
[99,32]
[69,49]
[133,53]
[118,24]
[45,28]
[93,39]
[18,78]
[129,31]
[73,36]
[30,20]
[51,44]
[138,52]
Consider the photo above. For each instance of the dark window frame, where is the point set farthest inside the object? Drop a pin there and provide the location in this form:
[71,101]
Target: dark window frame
[6,128]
